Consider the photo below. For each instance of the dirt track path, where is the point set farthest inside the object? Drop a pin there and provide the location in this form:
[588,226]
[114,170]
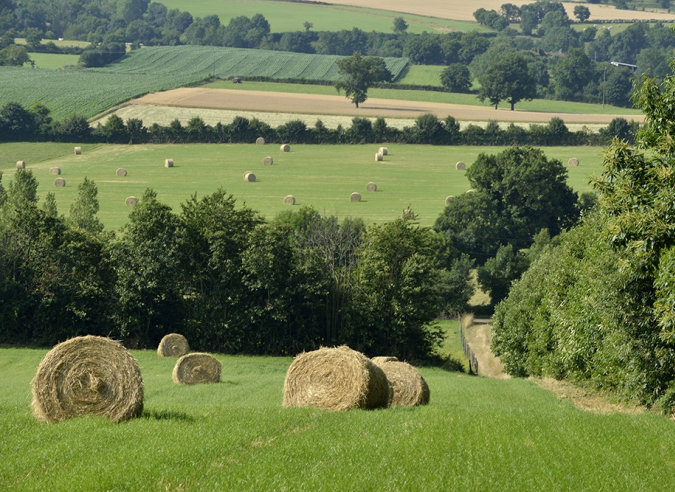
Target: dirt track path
[478,336]
[283,102]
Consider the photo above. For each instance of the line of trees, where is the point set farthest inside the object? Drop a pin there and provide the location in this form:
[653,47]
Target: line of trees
[19,124]
[222,276]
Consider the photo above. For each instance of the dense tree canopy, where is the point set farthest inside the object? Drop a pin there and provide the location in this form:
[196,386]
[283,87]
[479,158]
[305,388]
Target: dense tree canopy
[359,74]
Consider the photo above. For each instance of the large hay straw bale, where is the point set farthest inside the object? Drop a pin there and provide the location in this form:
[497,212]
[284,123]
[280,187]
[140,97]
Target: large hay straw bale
[408,214]
[260,141]
[54,171]
[355,197]
[21,164]
[384,358]
[168,162]
[289,200]
[371,186]
[573,161]
[173,345]
[59,182]
[471,191]
[460,166]
[383,151]
[88,375]
[78,150]
[197,368]
[268,161]
[335,379]
[131,201]
[379,157]
[285,148]
[249,176]
[121,172]
[448,199]
[408,385]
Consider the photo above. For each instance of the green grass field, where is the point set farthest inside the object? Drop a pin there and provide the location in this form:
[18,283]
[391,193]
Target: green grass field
[422,75]
[53,60]
[284,16]
[61,44]
[476,434]
[323,176]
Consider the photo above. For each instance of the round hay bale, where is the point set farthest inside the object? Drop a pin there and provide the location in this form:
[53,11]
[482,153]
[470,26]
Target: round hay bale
[383,151]
[335,379]
[197,368]
[249,176]
[379,157]
[268,161]
[448,199]
[131,201]
[289,200]
[471,191]
[21,164]
[168,162]
[285,148]
[355,197]
[408,385]
[78,150]
[55,171]
[460,166]
[573,161]
[384,358]
[88,376]
[121,172]
[173,345]
[260,141]
[408,214]
[59,182]
[371,186]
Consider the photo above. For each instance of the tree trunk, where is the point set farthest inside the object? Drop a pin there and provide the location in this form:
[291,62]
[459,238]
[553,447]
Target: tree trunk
[512,105]
[357,103]
[497,104]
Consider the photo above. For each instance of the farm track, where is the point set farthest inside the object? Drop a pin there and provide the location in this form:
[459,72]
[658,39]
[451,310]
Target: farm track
[277,102]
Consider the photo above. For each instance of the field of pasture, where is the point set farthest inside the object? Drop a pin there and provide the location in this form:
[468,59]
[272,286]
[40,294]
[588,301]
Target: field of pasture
[476,434]
[323,176]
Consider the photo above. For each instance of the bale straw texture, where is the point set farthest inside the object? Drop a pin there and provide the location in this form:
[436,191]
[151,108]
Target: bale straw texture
[573,161]
[260,141]
[121,172]
[78,150]
[379,157]
[55,171]
[21,164]
[197,368]
[371,186]
[289,200]
[383,151]
[355,197]
[131,201]
[88,376]
[409,387]
[173,345]
[285,148]
[448,199]
[249,176]
[268,161]
[168,162]
[335,379]
[59,182]
[460,166]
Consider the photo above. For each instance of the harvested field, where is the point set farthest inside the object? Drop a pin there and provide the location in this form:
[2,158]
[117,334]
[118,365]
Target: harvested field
[316,104]
[460,10]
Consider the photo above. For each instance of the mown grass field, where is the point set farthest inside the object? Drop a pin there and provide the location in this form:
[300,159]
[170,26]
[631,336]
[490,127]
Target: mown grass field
[53,60]
[476,434]
[285,17]
[323,176]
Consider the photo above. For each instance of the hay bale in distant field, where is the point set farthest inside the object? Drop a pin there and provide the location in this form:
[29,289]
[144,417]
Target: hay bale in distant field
[409,387]
[335,379]
[379,157]
[173,345]
[448,199]
[59,182]
[21,164]
[260,141]
[268,161]
[285,148]
[383,151]
[78,150]
[355,197]
[384,358]
[408,214]
[573,161]
[54,171]
[471,191]
[289,200]
[249,176]
[131,201]
[371,186]
[88,376]
[121,172]
[168,162]
[460,166]
[197,368]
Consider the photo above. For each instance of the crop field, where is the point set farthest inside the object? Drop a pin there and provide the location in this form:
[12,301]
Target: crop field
[422,75]
[89,92]
[285,16]
[53,60]
[475,434]
[323,176]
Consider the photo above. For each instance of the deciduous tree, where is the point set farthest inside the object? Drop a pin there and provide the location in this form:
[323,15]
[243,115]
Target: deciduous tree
[359,73]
